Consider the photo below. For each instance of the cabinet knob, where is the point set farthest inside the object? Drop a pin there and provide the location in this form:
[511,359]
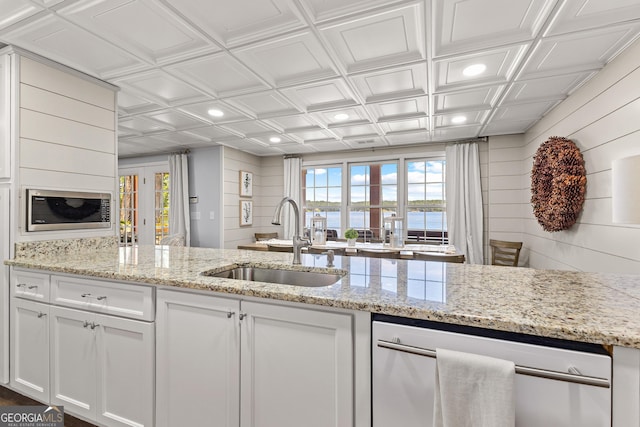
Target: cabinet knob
[94,325]
[32,287]
[85,295]
[85,324]
[100,298]
[21,285]
[242,315]
[230,314]
[41,315]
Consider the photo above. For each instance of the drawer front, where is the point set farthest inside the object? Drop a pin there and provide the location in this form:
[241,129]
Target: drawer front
[30,285]
[118,299]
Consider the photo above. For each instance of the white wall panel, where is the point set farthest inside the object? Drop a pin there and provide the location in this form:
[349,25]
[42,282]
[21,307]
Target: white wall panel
[36,99]
[43,127]
[56,80]
[65,159]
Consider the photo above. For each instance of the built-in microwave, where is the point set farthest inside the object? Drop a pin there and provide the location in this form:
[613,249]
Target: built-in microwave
[67,210]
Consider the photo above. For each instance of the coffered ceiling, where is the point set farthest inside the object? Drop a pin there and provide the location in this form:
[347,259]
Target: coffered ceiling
[303,76]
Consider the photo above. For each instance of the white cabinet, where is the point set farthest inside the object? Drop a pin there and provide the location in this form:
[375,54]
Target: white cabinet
[295,365]
[102,367]
[30,348]
[5,119]
[4,275]
[198,357]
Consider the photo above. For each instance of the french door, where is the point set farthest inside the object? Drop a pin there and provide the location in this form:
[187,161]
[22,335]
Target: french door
[144,204]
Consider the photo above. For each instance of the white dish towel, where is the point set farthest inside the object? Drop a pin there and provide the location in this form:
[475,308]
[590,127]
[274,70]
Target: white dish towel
[473,391]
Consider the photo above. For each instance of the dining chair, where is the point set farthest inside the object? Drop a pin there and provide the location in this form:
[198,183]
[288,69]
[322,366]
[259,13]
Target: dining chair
[279,248]
[504,252]
[378,253]
[425,256]
[266,236]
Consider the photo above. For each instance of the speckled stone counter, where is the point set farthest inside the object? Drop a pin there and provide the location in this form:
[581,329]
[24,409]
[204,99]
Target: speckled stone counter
[588,307]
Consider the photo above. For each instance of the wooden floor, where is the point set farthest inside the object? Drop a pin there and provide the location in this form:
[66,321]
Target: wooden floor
[10,398]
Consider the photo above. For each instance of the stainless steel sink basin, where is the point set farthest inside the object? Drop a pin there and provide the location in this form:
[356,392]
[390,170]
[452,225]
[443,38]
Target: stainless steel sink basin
[275,275]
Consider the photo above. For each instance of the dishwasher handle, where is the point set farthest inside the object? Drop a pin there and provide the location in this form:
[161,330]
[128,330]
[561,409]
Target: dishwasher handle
[573,376]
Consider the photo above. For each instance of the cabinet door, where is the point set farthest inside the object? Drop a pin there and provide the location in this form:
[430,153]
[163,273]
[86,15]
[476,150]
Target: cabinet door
[5,246]
[73,360]
[125,369]
[5,119]
[297,367]
[30,349]
[198,354]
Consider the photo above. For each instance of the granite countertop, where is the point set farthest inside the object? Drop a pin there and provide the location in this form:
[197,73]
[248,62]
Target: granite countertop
[588,307]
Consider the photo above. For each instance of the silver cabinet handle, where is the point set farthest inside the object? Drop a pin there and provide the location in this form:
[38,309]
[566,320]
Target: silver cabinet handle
[570,376]
[21,285]
[230,314]
[94,325]
[100,298]
[41,315]
[85,324]
[242,315]
[32,287]
[85,295]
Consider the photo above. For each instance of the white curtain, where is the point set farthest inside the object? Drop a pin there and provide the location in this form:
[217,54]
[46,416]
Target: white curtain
[464,200]
[292,174]
[179,224]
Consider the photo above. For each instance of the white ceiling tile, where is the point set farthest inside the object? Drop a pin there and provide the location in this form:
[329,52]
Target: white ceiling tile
[16,10]
[252,147]
[288,61]
[391,37]
[579,15]
[548,87]
[392,83]
[501,64]
[472,118]
[399,110]
[264,104]
[248,128]
[327,145]
[453,133]
[321,10]
[141,125]
[211,133]
[130,103]
[287,123]
[326,94]
[401,138]
[220,74]
[523,111]
[480,98]
[159,85]
[462,26]
[404,126]
[175,119]
[201,111]
[579,51]
[144,27]
[507,127]
[356,115]
[356,131]
[61,41]
[239,21]
[307,135]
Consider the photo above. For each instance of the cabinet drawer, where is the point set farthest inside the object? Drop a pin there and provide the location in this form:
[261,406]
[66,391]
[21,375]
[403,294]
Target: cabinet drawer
[30,285]
[118,299]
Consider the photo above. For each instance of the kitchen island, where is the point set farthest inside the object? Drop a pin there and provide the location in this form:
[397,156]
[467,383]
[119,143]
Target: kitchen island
[583,307]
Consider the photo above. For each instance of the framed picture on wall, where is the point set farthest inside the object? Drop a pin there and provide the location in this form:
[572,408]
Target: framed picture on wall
[246,212]
[246,184]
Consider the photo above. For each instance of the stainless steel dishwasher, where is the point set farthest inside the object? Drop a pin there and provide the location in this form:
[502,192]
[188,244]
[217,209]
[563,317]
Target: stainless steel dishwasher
[558,383]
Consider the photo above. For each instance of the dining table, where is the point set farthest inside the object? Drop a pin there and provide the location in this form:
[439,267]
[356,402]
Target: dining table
[406,251]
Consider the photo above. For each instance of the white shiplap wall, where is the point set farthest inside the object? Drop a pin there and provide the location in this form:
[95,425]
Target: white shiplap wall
[602,118]
[66,136]
[268,188]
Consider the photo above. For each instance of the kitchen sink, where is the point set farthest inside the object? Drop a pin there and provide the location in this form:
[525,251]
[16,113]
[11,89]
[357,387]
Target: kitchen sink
[310,279]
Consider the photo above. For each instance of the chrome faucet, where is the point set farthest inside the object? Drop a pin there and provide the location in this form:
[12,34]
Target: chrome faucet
[298,242]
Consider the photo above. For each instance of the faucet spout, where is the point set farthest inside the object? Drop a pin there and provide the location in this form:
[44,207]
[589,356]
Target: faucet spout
[298,242]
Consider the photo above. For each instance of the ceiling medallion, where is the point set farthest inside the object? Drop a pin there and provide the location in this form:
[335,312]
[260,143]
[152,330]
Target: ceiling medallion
[558,184]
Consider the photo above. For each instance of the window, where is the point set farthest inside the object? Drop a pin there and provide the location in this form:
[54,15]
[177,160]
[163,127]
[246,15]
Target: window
[373,196]
[322,195]
[426,217]
[144,205]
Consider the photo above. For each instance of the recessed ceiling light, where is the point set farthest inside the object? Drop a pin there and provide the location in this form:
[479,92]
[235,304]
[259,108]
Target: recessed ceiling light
[474,70]
[275,139]
[458,120]
[215,113]
[341,116]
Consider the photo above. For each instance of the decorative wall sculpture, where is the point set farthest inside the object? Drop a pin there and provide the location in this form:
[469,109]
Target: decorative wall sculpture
[558,184]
